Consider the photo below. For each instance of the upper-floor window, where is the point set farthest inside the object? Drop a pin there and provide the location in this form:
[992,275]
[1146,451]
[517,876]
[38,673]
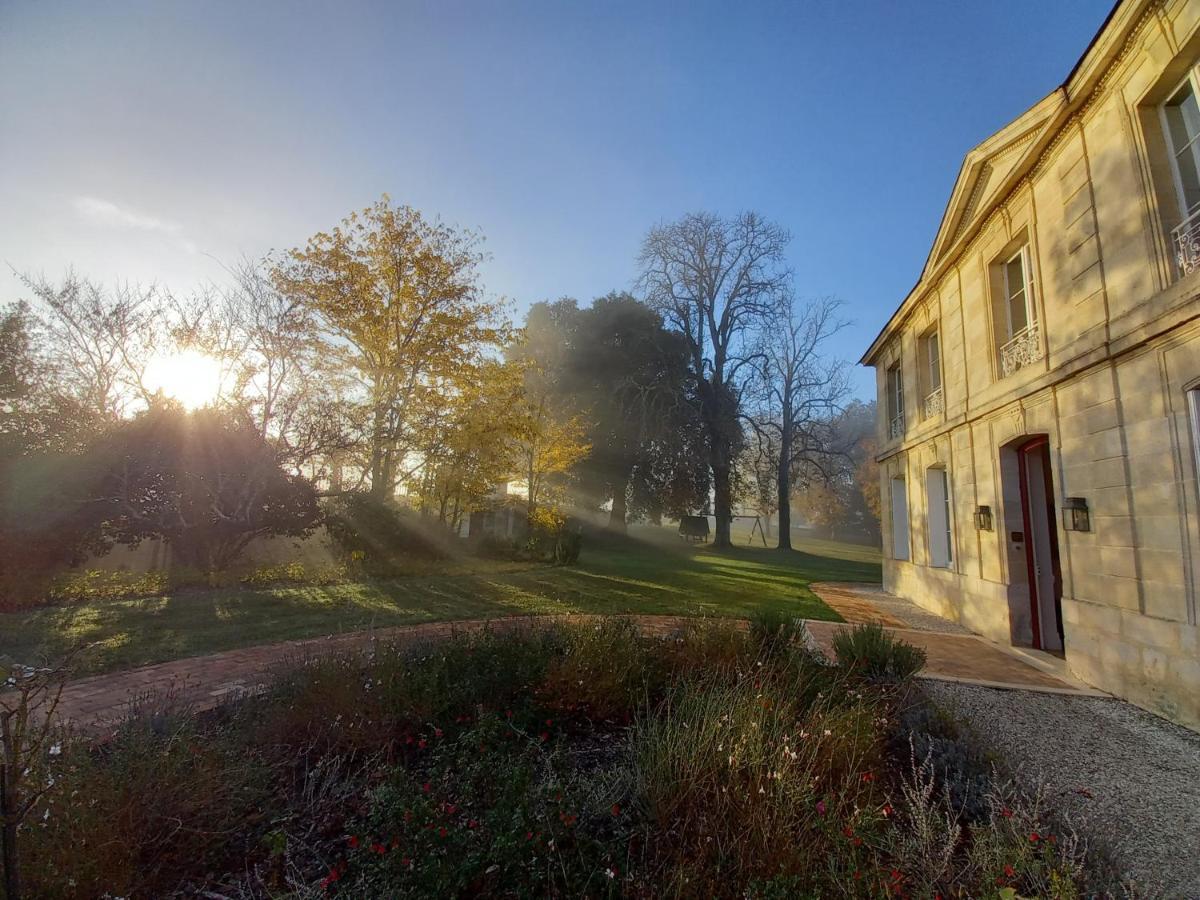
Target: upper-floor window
[930,353]
[1181,126]
[1016,320]
[895,400]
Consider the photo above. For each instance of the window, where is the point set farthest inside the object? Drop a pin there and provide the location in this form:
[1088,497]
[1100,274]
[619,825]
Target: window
[1181,120]
[895,401]
[937,488]
[1180,117]
[899,519]
[1014,312]
[1018,294]
[931,374]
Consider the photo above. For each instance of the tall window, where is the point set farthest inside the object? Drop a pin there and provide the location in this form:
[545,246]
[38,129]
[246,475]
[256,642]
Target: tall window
[931,374]
[941,547]
[1181,118]
[899,519]
[1018,293]
[895,400]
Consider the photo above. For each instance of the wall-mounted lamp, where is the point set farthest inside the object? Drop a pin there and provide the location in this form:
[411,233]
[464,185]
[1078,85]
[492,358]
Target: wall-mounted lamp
[983,518]
[1075,514]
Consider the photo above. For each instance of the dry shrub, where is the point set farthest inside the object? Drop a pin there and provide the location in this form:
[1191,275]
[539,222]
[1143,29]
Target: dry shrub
[126,818]
[743,780]
[604,670]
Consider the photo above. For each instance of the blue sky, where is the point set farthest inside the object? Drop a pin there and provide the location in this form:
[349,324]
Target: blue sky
[149,142]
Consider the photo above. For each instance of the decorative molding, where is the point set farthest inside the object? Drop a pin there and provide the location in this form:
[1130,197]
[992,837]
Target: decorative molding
[1063,132]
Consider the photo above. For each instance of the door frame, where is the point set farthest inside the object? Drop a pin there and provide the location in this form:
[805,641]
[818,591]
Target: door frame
[1040,442]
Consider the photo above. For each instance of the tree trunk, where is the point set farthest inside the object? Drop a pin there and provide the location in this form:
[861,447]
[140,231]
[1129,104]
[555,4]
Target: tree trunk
[784,487]
[722,505]
[616,518]
[377,454]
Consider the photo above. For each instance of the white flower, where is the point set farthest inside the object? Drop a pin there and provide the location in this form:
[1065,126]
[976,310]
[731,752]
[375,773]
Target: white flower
[610,873]
[828,733]
[55,749]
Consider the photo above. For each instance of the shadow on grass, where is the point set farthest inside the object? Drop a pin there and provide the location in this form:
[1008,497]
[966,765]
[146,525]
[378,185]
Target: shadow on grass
[616,575]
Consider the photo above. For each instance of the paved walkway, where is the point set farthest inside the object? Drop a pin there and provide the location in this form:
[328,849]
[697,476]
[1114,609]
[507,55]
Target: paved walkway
[99,702]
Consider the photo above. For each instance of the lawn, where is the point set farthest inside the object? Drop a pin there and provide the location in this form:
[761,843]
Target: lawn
[650,572]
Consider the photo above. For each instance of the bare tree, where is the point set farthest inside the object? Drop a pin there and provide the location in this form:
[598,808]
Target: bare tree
[99,341]
[798,392]
[717,280]
[272,368]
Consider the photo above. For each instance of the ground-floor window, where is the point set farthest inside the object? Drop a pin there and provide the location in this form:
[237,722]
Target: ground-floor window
[937,487]
[899,519]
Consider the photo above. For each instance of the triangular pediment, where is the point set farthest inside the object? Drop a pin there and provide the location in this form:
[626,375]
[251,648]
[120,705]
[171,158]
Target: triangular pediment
[985,174]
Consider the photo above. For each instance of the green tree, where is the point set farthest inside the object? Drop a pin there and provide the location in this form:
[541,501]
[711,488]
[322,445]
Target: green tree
[630,375]
[204,482]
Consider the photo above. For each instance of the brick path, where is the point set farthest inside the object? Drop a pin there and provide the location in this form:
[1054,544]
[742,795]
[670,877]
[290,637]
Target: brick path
[100,701]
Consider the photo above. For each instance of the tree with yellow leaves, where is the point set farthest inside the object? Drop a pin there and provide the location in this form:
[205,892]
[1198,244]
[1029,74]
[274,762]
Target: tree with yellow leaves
[400,308]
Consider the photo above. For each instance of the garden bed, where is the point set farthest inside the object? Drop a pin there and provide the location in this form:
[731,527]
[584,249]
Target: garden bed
[574,761]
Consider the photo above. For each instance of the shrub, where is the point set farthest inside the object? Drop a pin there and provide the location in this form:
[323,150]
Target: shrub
[493,811]
[100,584]
[294,573]
[774,632]
[871,652]
[604,670]
[567,545]
[378,537]
[745,781]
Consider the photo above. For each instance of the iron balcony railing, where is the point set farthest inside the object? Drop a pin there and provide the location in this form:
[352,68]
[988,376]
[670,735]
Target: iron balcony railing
[1186,241]
[934,405]
[1024,348]
[896,427]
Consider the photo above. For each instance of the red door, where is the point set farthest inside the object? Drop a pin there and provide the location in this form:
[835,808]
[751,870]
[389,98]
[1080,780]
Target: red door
[1041,544]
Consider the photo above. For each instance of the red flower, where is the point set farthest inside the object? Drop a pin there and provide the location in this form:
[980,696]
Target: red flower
[616,810]
[378,848]
[549,721]
[1006,812]
[472,824]
[848,831]
[887,809]
[529,835]
[437,732]
[1009,871]
[352,841]
[426,787]
[545,736]
[405,861]
[508,714]
[421,744]
[442,831]
[1034,837]
[867,776]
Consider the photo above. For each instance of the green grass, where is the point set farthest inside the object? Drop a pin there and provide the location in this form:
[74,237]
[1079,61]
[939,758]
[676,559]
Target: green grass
[651,572]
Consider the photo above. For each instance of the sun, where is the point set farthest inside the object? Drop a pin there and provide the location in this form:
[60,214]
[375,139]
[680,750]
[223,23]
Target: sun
[189,377]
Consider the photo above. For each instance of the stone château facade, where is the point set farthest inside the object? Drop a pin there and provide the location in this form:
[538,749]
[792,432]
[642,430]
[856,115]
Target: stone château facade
[1039,387]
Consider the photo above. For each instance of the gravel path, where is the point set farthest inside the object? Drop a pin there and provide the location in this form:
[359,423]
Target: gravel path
[1119,773]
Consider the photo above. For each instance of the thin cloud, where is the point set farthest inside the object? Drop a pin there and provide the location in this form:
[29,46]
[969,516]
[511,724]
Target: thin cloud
[109,214]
